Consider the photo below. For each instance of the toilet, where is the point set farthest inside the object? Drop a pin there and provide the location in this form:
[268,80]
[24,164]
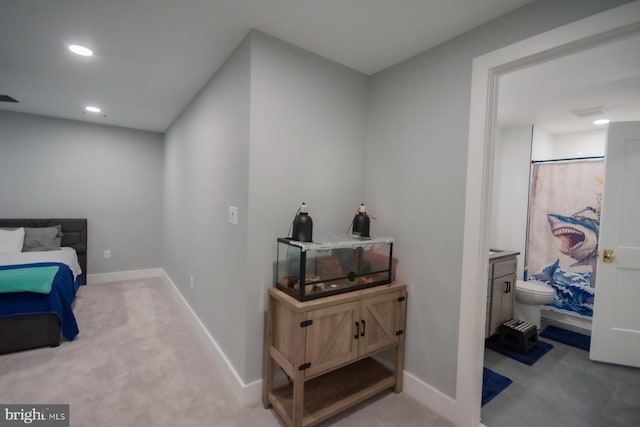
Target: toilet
[530,296]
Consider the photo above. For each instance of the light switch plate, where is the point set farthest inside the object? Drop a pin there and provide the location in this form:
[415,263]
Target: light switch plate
[233,214]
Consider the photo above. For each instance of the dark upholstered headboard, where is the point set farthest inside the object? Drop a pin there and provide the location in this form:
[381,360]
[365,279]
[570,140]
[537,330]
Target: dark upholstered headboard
[74,233]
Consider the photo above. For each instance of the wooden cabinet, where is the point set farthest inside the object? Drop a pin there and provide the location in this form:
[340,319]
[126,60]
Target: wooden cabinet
[330,337]
[325,345]
[501,292]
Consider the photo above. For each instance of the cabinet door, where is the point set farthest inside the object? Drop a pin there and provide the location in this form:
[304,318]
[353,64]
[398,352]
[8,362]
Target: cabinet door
[379,319]
[502,300]
[331,337]
[506,307]
[498,288]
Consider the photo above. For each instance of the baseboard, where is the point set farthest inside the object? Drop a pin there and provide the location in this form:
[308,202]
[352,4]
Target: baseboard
[428,396]
[247,394]
[417,389]
[565,321]
[121,276]
[251,394]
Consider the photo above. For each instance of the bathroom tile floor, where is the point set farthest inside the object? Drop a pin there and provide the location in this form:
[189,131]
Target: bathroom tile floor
[563,389]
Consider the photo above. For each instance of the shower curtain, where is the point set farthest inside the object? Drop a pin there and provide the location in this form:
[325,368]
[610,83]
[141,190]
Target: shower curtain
[562,231]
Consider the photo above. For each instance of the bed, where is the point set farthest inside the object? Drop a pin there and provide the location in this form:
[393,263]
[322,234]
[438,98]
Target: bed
[40,319]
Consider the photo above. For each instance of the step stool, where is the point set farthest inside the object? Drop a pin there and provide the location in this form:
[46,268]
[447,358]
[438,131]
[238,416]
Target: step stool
[519,335]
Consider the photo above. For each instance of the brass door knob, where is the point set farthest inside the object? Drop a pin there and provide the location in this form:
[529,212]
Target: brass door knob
[609,256]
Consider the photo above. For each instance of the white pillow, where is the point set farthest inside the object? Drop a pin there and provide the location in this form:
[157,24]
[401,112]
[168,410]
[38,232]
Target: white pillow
[11,241]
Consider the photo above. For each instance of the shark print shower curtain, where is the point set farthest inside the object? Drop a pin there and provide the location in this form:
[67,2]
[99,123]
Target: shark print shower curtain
[562,232]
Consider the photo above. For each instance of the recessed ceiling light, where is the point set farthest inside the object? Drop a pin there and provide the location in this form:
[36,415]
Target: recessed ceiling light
[92,109]
[80,50]
[601,122]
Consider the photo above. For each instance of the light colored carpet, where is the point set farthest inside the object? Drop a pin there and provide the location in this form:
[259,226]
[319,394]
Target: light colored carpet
[139,361]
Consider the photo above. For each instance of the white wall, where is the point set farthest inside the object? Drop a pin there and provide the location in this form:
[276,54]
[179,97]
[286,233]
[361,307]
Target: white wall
[111,176]
[589,143]
[510,192]
[496,182]
[543,144]
[417,132]
[206,171]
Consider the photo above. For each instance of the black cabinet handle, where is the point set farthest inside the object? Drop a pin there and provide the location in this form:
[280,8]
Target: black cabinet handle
[357,330]
[364,326]
[507,287]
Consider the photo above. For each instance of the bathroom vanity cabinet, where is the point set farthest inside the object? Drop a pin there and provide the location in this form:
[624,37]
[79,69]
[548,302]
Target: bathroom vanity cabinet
[501,289]
[325,346]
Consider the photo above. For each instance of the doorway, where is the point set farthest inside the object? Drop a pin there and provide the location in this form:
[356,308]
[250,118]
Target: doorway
[597,30]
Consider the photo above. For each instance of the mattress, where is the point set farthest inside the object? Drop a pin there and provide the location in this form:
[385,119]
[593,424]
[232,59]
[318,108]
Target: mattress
[63,291]
[65,255]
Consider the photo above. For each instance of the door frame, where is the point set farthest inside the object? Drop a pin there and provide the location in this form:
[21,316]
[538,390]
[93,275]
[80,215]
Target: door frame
[599,29]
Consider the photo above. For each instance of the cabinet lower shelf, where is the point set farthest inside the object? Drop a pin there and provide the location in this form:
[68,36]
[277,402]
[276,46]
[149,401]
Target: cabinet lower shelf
[336,391]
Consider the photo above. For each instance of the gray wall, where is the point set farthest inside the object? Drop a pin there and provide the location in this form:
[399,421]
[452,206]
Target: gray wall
[417,136]
[206,171]
[112,176]
[278,125]
[307,144]
[275,126]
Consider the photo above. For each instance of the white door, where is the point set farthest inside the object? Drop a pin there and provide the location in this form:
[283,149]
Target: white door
[615,336]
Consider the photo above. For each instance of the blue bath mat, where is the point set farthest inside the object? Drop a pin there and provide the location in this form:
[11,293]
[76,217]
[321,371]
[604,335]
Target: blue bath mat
[574,339]
[529,358]
[492,384]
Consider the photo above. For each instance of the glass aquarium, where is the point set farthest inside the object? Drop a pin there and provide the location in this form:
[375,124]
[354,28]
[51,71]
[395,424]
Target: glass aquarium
[333,265]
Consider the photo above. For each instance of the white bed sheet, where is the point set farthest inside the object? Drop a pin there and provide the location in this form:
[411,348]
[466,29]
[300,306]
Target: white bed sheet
[65,255]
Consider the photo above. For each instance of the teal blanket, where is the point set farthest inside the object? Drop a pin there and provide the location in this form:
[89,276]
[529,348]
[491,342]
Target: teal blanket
[31,279]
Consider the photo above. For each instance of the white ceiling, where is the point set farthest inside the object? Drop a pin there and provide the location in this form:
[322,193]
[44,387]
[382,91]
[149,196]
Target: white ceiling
[152,56]
[545,95]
